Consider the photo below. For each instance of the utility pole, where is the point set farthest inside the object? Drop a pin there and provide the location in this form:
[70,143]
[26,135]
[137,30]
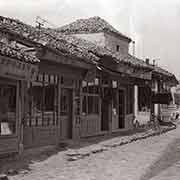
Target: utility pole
[41,22]
[133,48]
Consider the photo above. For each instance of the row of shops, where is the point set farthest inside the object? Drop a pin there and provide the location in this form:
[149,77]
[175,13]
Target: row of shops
[52,90]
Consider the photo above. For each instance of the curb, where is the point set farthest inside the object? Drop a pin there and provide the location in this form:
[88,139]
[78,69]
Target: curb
[73,156]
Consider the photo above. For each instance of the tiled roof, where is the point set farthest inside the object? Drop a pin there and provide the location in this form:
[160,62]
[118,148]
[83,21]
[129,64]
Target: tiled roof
[7,50]
[162,71]
[102,51]
[46,38]
[90,25]
[66,45]
[129,59]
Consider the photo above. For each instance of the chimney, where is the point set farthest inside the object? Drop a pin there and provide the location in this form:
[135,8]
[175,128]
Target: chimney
[147,60]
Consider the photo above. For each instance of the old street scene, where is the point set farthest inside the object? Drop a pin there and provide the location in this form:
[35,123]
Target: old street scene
[79,101]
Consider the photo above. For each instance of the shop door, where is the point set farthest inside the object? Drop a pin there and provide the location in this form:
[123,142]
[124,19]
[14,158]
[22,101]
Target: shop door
[66,113]
[121,109]
[105,115]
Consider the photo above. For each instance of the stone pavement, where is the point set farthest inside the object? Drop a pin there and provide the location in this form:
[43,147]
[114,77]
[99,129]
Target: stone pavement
[75,154]
[127,162]
[171,173]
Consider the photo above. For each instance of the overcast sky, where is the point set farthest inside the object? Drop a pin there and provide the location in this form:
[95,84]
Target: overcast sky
[153,24]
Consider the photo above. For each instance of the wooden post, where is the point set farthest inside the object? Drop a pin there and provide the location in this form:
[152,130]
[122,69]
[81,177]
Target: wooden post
[20,107]
[135,101]
[110,110]
[59,123]
[156,106]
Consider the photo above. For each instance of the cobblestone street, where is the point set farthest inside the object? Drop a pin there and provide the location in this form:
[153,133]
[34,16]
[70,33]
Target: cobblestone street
[133,161]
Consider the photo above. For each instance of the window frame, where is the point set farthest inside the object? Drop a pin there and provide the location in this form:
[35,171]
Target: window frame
[91,94]
[38,120]
[17,87]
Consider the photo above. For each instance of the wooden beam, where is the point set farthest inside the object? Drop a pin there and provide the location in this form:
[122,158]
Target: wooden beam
[51,56]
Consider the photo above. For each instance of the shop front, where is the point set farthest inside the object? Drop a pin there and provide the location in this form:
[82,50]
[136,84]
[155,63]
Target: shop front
[13,74]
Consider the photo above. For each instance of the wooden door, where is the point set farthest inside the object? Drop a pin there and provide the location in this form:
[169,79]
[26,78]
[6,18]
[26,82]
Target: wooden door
[66,113]
[105,115]
[121,109]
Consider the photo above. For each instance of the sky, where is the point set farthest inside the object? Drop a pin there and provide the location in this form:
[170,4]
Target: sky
[154,25]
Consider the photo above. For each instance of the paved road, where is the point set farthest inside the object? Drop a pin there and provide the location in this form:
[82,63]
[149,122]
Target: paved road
[168,162]
[168,165]
[140,160]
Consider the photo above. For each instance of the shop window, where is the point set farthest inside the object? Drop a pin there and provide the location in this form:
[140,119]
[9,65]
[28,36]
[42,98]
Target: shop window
[64,102]
[144,99]
[77,97]
[7,109]
[42,97]
[90,99]
[96,104]
[84,105]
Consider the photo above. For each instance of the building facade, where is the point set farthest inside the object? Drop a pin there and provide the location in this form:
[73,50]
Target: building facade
[84,84]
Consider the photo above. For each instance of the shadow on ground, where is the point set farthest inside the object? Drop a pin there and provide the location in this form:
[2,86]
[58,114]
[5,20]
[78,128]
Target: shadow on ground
[15,164]
[167,159]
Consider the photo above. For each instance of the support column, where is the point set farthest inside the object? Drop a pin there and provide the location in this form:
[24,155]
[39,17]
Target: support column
[135,100]
[156,106]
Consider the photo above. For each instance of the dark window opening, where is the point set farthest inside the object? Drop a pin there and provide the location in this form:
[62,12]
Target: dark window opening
[117,48]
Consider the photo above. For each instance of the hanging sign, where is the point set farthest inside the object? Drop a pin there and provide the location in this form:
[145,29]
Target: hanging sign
[16,69]
[161,98]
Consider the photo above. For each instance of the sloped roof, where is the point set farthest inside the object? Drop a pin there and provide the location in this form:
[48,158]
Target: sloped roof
[166,73]
[66,45]
[45,38]
[8,50]
[130,59]
[91,25]
[160,70]
[103,51]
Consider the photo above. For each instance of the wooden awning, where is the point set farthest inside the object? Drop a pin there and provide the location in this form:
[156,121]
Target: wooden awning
[16,69]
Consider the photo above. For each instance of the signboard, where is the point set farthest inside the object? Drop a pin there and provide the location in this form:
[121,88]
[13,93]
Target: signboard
[138,73]
[90,75]
[161,98]
[16,69]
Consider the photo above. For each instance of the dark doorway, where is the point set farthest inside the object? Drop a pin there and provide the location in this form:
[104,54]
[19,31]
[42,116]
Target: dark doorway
[121,109]
[66,113]
[105,115]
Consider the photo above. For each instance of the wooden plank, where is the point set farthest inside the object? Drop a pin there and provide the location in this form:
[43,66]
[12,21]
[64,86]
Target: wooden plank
[90,125]
[50,56]
[60,69]
[16,69]
[40,136]
[8,144]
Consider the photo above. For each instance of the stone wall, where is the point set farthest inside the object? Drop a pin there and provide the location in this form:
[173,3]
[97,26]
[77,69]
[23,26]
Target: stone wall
[107,40]
[96,38]
[111,43]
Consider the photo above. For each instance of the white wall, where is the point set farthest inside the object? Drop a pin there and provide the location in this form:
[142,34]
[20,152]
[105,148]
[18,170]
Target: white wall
[96,38]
